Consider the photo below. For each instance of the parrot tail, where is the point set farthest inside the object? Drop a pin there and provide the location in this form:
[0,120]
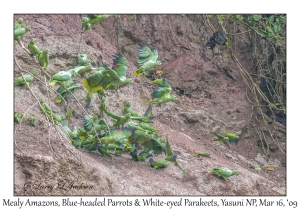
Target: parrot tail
[138,73]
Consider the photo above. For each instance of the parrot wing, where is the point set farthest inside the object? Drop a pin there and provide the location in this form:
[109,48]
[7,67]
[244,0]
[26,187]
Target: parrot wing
[145,54]
[168,150]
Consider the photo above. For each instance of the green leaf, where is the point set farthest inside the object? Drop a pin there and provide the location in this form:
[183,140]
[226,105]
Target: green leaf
[271,19]
[277,28]
[239,17]
[18,117]
[256,17]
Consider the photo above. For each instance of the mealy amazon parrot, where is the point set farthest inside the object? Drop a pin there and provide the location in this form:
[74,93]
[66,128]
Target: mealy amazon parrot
[142,136]
[224,172]
[18,24]
[158,164]
[223,139]
[66,90]
[76,142]
[18,33]
[43,58]
[147,59]
[33,49]
[118,120]
[28,78]
[232,137]
[117,135]
[118,72]
[83,60]
[92,19]
[171,156]
[93,84]
[204,154]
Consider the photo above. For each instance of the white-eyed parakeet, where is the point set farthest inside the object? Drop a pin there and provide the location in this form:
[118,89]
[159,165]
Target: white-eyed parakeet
[158,164]
[224,172]
[28,79]
[18,33]
[33,49]
[171,156]
[43,58]
[18,24]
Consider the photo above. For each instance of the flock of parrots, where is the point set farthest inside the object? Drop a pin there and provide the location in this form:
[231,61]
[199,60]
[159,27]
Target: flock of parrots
[130,132]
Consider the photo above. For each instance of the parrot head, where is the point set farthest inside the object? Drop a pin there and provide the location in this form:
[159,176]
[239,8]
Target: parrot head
[149,155]
[32,41]
[126,104]
[20,20]
[174,156]
[234,172]
[27,28]
[77,139]
[84,19]
[151,160]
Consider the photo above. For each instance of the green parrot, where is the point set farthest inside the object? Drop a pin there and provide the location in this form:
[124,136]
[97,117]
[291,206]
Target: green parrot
[28,79]
[103,151]
[223,139]
[93,84]
[147,118]
[18,33]
[43,58]
[45,107]
[157,146]
[117,72]
[147,59]
[162,100]
[134,125]
[127,109]
[18,24]
[140,157]
[162,93]
[85,24]
[76,142]
[158,164]
[66,90]
[146,126]
[99,124]
[80,69]
[65,127]
[204,154]
[118,120]
[83,60]
[117,148]
[145,154]
[171,156]
[92,19]
[33,49]
[58,118]
[224,172]
[117,135]
[232,137]
[141,136]
[61,76]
